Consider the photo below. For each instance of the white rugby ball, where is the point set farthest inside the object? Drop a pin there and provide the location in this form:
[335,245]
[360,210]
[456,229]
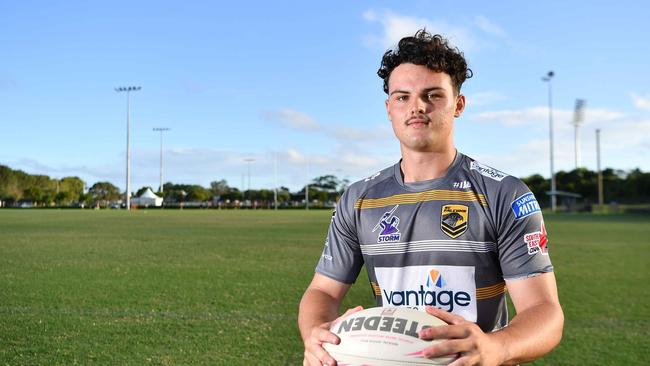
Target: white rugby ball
[384,336]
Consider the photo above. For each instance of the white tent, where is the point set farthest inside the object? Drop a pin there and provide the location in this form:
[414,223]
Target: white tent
[148,198]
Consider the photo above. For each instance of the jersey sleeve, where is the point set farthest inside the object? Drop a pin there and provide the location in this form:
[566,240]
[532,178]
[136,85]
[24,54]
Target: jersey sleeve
[522,238]
[342,259]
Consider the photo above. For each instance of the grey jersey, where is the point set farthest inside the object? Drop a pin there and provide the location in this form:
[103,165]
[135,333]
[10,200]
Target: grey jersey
[449,242]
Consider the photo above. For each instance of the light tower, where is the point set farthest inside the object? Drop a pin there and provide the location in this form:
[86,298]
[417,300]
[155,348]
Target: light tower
[249,161]
[161,130]
[547,79]
[128,90]
[578,117]
[601,198]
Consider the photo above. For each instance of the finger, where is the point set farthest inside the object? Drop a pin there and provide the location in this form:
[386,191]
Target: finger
[345,315]
[447,348]
[445,316]
[324,335]
[319,356]
[446,332]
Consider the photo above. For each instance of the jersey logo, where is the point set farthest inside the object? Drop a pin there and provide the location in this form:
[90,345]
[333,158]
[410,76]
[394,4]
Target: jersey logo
[454,220]
[372,177]
[451,288]
[435,278]
[462,185]
[537,242]
[525,205]
[488,171]
[388,224]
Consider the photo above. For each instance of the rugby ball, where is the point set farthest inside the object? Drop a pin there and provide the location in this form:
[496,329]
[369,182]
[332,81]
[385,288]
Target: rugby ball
[384,336]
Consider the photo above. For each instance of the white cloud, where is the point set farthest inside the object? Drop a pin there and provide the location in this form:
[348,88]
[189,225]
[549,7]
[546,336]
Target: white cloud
[641,102]
[538,115]
[517,117]
[396,26]
[484,98]
[487,26]
[350,134]
[293,119]
[623,145]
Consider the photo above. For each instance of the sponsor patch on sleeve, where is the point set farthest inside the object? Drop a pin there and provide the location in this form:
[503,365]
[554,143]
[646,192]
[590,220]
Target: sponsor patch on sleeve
[537,241]
[525,205]
[488,171]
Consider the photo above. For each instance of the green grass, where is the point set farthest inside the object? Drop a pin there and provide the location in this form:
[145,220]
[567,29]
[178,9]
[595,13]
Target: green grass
[222,287]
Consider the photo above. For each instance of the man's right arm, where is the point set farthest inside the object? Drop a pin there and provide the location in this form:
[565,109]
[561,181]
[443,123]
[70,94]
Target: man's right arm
[318,308]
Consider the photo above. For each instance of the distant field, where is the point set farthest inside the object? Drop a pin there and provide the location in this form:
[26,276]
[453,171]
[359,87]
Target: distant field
[222,287]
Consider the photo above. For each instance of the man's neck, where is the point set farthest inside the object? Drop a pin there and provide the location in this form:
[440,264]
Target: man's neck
[421,166]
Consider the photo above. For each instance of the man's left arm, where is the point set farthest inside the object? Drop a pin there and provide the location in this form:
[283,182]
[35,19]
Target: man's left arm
[534,331]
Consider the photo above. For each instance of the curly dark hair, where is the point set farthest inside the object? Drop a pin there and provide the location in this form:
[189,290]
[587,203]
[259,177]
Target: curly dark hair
[432,51]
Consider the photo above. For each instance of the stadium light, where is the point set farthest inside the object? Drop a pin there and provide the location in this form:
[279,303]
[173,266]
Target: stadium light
[275,180]
[578,117]
[128,90]
[161,130]
[601,198]
[249,161]
[307,187]
[547,79]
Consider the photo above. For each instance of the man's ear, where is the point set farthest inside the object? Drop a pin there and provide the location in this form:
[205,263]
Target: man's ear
[460,105]
[387,110]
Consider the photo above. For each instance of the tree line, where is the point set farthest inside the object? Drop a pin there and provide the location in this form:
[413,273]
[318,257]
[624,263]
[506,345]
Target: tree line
[619,186]
[18,187]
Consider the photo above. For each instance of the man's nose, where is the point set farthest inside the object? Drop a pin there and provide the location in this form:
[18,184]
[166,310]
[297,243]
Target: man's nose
[419,106]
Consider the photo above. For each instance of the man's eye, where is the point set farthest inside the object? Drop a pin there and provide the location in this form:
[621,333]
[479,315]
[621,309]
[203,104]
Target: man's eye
[401,98]
[434,96]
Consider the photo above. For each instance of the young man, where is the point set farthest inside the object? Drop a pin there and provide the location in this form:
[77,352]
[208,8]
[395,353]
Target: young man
[439,231]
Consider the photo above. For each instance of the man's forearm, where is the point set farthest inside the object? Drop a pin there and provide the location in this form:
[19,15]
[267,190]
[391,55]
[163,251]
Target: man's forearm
[316,308]
[531,333]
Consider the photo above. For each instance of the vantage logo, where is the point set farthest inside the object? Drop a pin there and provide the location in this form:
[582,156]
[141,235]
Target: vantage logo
[434,292]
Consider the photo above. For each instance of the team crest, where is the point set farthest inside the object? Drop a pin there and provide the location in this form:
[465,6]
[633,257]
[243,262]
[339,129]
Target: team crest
[454,219]
[388,224]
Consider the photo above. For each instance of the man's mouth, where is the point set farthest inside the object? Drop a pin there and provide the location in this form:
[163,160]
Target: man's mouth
[417,121]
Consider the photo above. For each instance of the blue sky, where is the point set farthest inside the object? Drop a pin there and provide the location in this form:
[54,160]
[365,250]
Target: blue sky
[297,80]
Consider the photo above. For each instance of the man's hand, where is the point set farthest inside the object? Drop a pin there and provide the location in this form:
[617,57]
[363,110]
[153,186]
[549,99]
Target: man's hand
[463,338]
[315,354]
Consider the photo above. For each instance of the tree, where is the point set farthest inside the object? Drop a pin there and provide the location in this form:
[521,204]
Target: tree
[197,193]
[104,192]
[219,187]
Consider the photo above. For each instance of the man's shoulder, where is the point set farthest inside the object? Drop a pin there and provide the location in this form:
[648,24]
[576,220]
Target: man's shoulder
[492,178]
[360,187]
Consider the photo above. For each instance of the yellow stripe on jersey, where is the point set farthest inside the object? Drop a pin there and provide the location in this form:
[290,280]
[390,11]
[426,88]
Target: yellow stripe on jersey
[483,293]
[412,198]
[375,288]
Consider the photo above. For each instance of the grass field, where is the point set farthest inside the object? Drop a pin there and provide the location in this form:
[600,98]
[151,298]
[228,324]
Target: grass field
[222,287]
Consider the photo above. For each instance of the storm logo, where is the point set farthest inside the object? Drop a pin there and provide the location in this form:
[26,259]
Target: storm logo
[454,220]
[388,224]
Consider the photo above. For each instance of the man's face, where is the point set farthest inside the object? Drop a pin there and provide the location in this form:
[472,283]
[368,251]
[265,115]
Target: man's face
[421,106]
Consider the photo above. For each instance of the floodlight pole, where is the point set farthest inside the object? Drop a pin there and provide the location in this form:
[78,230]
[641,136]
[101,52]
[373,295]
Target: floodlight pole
[601,198]
[275,181]
[307,187]
[128,90]
[578,117]
[547,79]
[161,130]
[249,161]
